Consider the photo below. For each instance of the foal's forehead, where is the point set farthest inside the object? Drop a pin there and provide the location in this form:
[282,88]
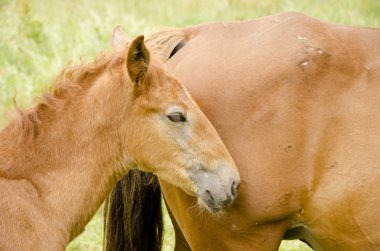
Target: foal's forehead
[166,82]
[168,89]
[176,88]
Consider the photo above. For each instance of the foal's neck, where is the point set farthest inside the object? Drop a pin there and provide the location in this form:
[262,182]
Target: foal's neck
[75,160]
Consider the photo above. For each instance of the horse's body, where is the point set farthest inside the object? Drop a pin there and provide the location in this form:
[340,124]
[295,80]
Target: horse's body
[60,159]
[297,103]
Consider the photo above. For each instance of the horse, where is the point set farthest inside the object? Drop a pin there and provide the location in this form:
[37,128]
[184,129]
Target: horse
[296,101]
[61,158]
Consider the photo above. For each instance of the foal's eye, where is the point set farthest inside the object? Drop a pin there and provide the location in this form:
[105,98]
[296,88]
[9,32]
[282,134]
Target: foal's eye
[176,117]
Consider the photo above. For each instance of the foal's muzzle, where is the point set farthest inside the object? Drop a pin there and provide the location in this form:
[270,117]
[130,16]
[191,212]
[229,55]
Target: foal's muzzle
[217,188]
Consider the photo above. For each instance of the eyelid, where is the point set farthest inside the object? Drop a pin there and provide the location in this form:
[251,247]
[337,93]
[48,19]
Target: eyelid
[175,109]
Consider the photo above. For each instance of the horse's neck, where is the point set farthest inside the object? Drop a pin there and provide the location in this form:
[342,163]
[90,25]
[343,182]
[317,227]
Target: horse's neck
[72,166]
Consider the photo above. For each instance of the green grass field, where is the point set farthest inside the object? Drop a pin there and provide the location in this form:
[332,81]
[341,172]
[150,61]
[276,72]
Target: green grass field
[39,37]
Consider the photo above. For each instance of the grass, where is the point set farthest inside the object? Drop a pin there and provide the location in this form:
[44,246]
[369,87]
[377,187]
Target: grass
[37,38]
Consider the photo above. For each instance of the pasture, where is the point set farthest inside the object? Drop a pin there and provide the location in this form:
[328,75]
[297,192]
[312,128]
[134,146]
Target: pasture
[38,38]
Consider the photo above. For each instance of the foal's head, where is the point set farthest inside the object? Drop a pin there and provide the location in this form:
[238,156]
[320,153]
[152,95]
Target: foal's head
[165,132]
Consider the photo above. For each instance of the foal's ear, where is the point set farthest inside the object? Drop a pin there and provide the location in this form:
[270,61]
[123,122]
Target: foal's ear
[120,39]
[137,60]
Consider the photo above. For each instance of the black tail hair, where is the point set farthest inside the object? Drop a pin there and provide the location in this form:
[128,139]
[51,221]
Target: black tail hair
[133,214]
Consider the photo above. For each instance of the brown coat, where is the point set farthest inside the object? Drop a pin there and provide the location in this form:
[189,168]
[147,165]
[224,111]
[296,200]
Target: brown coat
[297,103]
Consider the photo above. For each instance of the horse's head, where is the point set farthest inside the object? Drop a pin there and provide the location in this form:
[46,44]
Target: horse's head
[167,134]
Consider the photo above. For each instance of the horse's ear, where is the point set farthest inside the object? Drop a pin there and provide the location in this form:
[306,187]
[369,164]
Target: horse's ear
[137,60]
[120,39]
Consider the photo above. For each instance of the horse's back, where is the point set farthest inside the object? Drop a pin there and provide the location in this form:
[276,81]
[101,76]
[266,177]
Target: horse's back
[296,102]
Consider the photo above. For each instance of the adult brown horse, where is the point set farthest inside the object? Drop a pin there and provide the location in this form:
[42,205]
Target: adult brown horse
[60,159]
[296,101]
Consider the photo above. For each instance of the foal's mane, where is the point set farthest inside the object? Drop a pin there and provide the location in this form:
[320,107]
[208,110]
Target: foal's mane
[76,80]
[72,81]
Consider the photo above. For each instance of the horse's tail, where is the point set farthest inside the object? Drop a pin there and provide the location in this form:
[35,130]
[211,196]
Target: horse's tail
[133,214]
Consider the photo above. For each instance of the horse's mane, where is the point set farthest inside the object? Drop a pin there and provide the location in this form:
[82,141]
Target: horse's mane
[72,81]
[163,42]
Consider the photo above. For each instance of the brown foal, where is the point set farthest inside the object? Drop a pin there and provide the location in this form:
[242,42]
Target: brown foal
[61,158]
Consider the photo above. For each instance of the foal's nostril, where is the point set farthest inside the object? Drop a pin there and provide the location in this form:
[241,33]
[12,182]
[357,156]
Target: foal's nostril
[209,194]
[234,188]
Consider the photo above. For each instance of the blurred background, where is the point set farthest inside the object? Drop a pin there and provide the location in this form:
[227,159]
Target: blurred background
[39,37]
